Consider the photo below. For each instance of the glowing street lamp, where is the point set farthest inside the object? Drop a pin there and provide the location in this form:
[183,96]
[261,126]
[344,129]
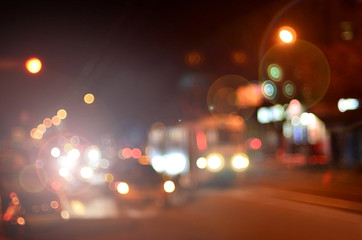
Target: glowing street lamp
[33,65]
[287,34]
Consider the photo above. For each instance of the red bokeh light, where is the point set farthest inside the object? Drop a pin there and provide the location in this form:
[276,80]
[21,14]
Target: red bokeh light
[126,153]
[136,153]
[255,143]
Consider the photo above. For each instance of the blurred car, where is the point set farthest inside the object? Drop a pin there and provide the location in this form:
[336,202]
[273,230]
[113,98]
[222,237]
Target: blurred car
[25,202]
[141,186]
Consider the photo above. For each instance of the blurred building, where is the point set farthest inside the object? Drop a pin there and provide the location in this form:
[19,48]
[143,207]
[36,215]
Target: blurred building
[333,27]
[342,45]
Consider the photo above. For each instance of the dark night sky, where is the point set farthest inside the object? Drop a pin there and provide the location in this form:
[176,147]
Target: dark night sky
[129,54]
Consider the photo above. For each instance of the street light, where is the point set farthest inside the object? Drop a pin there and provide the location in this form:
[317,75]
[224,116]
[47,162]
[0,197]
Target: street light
[33,65]
[287,34]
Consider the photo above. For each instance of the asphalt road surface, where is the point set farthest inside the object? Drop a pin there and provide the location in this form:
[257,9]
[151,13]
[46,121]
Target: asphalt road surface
[251,212]
[266,203]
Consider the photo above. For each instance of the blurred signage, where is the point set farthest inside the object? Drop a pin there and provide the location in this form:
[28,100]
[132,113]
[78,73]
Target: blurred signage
[348,104]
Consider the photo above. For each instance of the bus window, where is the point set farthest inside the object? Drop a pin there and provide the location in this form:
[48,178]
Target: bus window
[222,136]
[212,136]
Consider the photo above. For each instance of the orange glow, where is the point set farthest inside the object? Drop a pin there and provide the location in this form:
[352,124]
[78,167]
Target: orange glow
[56,120]
[136,153]
[62,114]
[249,96]
[15,201]
[78,207]
[287,34]
[9,213]
[54,204]
[33,65]
[47,122]
[21,221]
[35,133]
[238,57]
[32,133]
[194,58]
[143,160]
[42,128]
[126,153]
[89,98]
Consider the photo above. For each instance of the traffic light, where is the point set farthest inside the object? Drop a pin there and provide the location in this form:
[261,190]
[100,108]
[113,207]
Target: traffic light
[33,65]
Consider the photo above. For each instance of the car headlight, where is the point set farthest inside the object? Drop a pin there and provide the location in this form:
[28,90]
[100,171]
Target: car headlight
[240,162]
[215,162]
[201,163]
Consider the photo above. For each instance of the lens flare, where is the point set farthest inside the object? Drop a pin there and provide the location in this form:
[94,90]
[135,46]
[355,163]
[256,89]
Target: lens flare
[289,89]
[275,72]
[224,96]
[28,179]
[269,90]
[303,73]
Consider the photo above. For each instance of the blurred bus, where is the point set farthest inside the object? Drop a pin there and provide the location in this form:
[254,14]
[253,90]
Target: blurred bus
[209,150]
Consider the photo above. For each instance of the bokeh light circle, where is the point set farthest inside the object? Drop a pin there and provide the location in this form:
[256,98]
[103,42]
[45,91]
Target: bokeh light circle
[33,65]
[275,72]
[194,58]
[29,180]
[289,89]
[287,34]
[70,156]
[305,69]
[88,98]
[269,90]
[224,96]
[62,114]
